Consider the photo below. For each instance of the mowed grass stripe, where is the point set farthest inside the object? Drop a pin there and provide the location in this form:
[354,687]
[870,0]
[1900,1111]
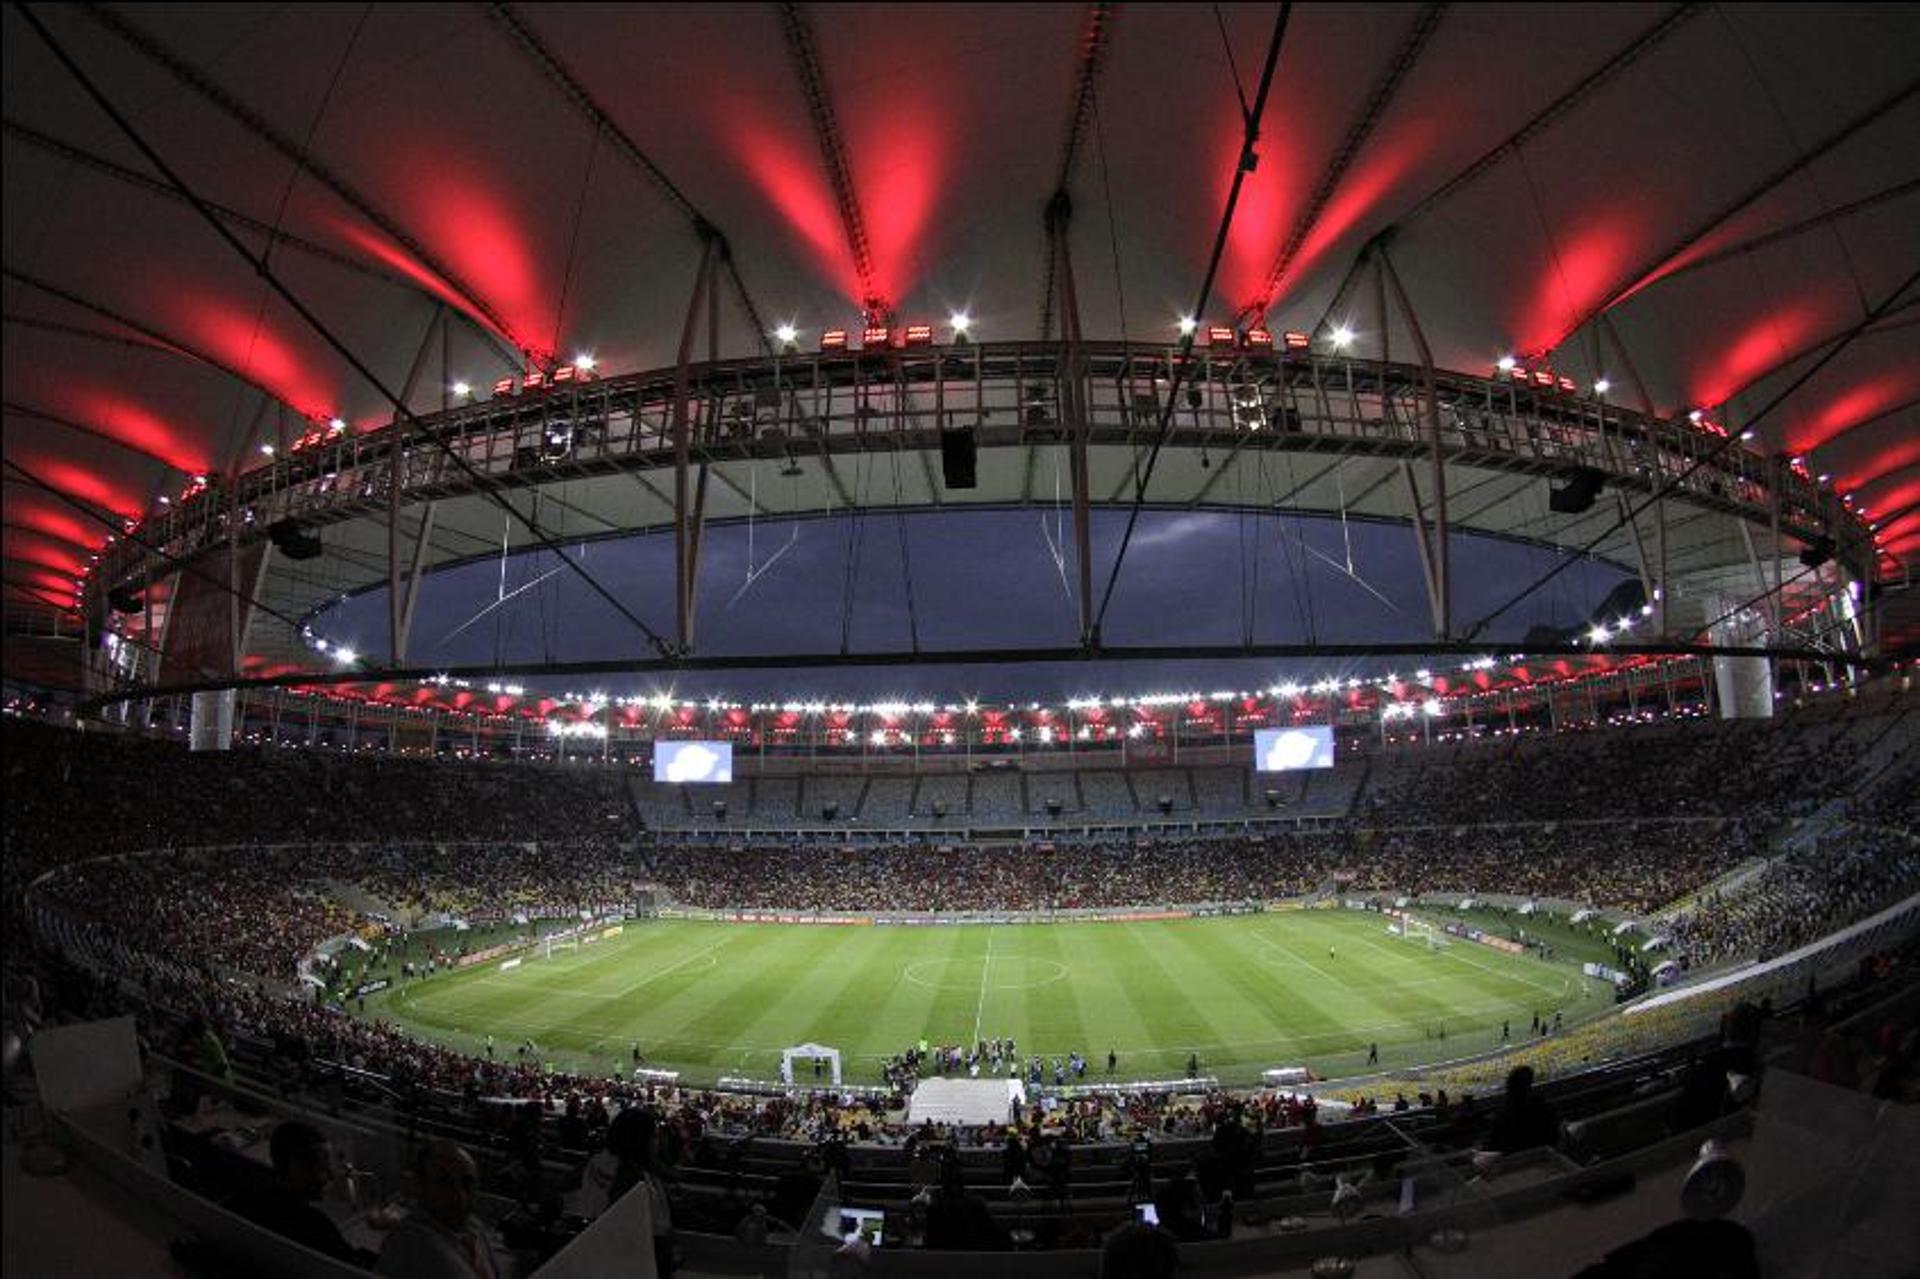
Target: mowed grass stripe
[1051,1012]
[717,1010]
[1164,998]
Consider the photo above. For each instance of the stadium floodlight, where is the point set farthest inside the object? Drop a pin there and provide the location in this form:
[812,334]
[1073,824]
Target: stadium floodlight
[336,424]
[1747,436]
[1694,415]
[1432,706]
[584,361]
[266,450]
[345,656]
[461,390]
[1598,635]
[1342,338]
[1188,325]
[1602,386]
[961,321]
[786,334]
[1505,363]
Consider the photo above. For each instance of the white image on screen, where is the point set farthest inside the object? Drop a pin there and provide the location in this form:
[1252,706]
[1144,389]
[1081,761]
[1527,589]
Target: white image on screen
[1290,751]
[693,764]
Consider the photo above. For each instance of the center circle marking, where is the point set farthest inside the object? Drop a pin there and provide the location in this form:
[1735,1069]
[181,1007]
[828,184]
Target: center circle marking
[918,973]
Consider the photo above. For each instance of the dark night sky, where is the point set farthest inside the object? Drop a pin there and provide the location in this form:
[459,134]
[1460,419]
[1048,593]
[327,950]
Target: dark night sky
[979,579]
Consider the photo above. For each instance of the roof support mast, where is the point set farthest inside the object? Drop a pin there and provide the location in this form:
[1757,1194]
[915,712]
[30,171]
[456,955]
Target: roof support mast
[399,601]
[1073,401]
[685,543]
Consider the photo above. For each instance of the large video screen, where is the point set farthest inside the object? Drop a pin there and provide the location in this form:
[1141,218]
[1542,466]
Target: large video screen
[1283,750]
[693,761]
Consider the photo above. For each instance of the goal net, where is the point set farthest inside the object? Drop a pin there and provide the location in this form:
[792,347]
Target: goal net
[1417,931]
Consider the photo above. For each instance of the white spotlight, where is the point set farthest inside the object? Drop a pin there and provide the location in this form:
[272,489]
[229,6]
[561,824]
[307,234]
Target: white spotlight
[786,333]
[960,321]
[1598,635]
[336,424]
[461,390]
[1505,363]
[1188,324]
[585,362]
[1602,387]
[267,449]
[1342,338]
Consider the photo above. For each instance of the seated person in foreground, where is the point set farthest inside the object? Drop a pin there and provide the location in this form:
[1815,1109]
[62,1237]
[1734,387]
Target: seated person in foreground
[442,1239]
[302,1170]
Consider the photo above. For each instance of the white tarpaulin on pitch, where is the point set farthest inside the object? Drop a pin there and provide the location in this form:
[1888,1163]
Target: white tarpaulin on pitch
[964,1101]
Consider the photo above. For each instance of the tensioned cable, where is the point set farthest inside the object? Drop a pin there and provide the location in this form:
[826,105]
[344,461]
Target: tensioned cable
[1785,122]
[340,348]
[1249,137]
[573,241]
[286,198]
[906,560]
[1731,438]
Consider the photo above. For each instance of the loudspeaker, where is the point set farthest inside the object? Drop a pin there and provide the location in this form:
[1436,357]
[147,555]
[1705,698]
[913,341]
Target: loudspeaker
[829,812]
[293,540]
[1818,551]
[1576,493]
[1273,799]
[719,810]
[1053,808]
[124,600]
[958,453]
[1166,805]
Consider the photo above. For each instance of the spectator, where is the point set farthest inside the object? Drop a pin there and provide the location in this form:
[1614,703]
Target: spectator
[302,1170]
[442,1239]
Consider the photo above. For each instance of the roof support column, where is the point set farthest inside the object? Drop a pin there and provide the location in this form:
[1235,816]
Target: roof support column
[682,447]
[1073,401]
[1439,589]
[396,480]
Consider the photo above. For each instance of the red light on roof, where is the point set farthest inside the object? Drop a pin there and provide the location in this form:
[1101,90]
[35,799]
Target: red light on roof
[565,373]
[1219,335]
[1565,383]
[533,381]
[1543,377]
[833,340]
[503,387]
[875,336]
[1296,341]
[919,335]
[1261,339]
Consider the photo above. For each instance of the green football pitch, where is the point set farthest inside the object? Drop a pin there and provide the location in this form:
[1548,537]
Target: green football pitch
[1244,994]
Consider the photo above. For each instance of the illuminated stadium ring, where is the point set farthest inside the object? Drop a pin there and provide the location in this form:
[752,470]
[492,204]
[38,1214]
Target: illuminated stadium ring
[1494,443]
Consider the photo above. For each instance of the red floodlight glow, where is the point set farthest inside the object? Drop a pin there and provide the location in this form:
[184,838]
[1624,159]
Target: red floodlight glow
[919,335]
[533,381]
[565,373]
[1219,335]
[503,387]
[1295,341]
[1259,339]
[1564,383]
[1543,377]
[833,340]
[875,336]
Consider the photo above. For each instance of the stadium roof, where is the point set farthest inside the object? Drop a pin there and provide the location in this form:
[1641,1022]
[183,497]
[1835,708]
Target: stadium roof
[1698,202]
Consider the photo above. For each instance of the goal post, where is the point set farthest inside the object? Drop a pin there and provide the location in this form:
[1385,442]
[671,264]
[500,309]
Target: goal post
[1420,932]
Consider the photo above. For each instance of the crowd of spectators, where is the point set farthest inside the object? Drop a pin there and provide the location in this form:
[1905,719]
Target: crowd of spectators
[1748,770]
[1634,865]
[1846,875]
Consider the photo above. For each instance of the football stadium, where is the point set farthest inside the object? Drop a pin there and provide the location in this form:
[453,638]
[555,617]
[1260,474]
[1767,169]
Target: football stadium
[1095,640]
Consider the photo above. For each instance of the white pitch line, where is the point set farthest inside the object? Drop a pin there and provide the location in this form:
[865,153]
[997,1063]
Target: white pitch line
[624,991]
[980,1005]
[1288,952]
